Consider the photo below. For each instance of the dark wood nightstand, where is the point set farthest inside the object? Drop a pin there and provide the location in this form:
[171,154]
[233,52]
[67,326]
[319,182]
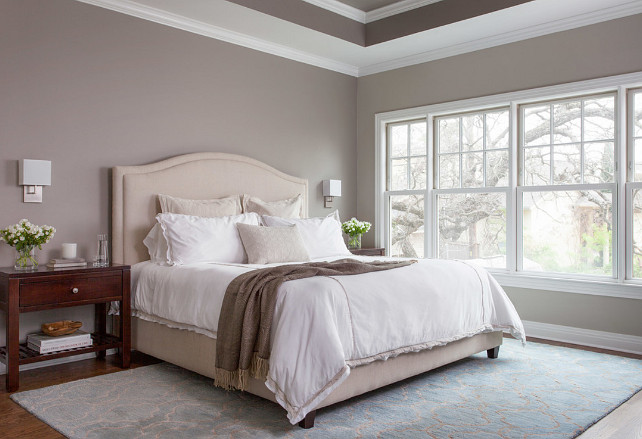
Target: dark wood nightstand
[45,288]
[368,251]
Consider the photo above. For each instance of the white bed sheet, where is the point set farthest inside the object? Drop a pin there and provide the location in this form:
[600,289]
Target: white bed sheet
[323,326]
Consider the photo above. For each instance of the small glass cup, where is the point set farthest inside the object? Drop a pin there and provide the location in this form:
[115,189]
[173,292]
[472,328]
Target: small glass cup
[102,252]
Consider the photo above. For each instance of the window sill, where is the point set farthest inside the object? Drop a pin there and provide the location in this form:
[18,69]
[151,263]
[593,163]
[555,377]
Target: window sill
[600,287]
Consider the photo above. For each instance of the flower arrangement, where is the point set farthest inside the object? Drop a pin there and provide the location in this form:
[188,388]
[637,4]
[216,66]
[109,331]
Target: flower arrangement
[25,236]
[354,229]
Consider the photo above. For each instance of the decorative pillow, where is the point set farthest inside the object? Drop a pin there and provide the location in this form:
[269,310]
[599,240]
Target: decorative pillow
[288,208]
[322,236]
[156,245]
[266,245]
[205,208]
[193,239]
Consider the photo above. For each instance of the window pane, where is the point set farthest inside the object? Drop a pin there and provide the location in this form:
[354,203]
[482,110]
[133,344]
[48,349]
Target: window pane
[497,168]
[599,119]
[568,232]
[537,125]
[399,141]
[449,171]
[418,138]
[497,130]
[472,132]
[472,164]
[638,160]
[473,227]
[449,135]
[567,164]
[399,174]
[407,226]
[599,165]
[567,122]
[637,233]
[637,132]
[418,173]
[537,166]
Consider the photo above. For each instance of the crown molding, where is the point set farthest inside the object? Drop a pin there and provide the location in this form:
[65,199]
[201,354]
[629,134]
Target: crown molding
[340,8]
[396,8]
[132,8]
[208,30]
[634,7]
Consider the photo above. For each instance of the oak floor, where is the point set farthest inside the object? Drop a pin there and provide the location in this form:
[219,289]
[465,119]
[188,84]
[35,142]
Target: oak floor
[623,423]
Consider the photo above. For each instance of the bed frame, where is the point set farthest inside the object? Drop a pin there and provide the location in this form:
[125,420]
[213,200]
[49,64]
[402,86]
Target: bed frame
[214,175]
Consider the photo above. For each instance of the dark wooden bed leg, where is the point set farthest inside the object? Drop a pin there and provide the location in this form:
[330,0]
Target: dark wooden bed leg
[493,353]
[308,421]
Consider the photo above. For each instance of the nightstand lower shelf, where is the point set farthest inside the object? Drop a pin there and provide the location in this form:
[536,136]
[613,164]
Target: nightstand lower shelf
[101,342]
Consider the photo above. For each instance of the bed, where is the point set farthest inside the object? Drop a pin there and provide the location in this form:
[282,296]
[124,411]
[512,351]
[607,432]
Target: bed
[209,175]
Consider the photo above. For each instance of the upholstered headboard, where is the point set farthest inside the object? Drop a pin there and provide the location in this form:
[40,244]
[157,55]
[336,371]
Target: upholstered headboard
[196,176]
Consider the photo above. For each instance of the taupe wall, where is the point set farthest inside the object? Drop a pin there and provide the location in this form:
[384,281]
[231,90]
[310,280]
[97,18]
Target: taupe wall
[604,49]
[88,89]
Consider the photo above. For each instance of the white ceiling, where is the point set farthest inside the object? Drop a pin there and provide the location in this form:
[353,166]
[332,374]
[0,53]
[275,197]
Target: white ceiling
[246,27]
[369,5]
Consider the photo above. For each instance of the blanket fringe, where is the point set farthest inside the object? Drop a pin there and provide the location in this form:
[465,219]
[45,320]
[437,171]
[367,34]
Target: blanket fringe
[238,379]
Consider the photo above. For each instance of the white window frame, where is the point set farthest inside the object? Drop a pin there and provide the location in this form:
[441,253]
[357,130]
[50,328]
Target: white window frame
[621,285]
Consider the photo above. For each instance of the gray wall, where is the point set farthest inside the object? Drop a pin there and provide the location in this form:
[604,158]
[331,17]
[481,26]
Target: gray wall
[89,89]
[604,49]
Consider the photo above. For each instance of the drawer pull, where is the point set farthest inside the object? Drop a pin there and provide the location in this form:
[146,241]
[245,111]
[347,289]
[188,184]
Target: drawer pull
[74,290]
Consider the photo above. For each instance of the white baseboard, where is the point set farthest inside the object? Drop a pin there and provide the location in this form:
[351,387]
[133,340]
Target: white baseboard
[585,337]
[3,368]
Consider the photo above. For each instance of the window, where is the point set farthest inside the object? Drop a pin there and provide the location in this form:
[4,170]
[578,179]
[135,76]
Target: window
[635,188]
[568,171]
[526,184]
[406,183]
[472,163]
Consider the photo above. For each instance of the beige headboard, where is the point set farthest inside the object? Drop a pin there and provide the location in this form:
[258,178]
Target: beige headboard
[195,176]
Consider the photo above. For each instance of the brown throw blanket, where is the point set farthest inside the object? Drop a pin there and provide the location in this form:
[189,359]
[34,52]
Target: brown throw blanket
[243,336]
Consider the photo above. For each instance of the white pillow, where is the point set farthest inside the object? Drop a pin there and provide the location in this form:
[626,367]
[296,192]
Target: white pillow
[192,239]
[322,236]
[156,245]
[207,208]
[288,208]
[267,245]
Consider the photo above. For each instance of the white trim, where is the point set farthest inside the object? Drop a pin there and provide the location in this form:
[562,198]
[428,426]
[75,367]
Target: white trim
[396,8]
[598,85]
[586,19]
[219,33]
[629,289]
[79,357]
[341,9]
[156,15]
[584,337]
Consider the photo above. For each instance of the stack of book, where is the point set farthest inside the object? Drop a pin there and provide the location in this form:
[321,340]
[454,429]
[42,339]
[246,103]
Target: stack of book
[45,344]
[67,263]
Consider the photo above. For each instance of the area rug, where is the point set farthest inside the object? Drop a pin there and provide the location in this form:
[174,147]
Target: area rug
[538,390]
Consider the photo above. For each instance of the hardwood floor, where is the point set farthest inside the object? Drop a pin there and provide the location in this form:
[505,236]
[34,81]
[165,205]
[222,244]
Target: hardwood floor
[624,422]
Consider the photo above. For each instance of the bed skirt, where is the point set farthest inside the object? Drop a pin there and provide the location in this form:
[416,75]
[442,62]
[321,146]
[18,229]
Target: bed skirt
[196,352]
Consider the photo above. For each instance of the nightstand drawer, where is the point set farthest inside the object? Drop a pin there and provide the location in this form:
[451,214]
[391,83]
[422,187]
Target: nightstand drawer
[70,289]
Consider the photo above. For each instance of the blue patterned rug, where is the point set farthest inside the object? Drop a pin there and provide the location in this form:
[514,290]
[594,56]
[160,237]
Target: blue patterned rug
[541,390]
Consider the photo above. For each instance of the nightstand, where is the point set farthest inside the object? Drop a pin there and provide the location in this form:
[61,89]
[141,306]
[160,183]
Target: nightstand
[368,251]
[45,288]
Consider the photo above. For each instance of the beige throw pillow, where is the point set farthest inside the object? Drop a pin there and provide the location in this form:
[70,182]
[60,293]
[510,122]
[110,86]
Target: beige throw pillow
[266,245]
[288,208]
[205,208]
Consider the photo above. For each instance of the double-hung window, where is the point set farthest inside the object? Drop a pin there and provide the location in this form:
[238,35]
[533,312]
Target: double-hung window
[543,187]
[566,199]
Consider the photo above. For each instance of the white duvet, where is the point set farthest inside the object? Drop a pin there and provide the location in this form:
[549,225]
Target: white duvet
[323,326]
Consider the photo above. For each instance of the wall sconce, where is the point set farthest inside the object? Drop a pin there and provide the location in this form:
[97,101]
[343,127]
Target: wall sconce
[331,189]
[32,176]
